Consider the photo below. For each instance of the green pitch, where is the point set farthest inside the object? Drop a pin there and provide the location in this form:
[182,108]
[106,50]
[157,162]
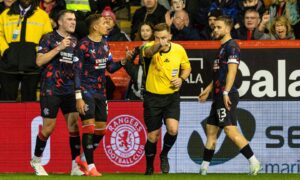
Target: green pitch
[127,176]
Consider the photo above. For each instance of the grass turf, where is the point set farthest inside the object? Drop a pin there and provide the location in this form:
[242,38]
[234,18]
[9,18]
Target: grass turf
[128,176]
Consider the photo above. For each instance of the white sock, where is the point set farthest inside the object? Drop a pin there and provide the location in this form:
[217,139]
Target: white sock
[91,166]
[205,164]
[74,164]
[82,157]
[35,158]
[253,160]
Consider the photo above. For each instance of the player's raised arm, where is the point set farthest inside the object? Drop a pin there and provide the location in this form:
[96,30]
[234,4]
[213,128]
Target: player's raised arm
[150,51]
[114,66]
[44,56]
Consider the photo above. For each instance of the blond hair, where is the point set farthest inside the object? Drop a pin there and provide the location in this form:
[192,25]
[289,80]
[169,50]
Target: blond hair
[227,20]
[161,27]
[283,21]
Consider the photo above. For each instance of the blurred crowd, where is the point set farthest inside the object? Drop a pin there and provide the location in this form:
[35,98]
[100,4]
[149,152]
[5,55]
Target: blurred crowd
[188,19]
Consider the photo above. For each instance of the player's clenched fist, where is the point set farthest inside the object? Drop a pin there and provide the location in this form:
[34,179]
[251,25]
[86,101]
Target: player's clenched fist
[66,42]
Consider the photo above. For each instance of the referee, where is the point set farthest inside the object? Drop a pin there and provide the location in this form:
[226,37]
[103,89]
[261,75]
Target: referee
[167,66]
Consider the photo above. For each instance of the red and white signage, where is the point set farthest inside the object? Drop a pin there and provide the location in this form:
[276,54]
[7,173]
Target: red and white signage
[121,150]
[123,143]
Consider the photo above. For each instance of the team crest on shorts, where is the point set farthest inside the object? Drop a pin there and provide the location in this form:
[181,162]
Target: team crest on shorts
[124,140]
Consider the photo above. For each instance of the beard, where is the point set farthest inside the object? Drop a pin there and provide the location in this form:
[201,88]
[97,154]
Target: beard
[218,37]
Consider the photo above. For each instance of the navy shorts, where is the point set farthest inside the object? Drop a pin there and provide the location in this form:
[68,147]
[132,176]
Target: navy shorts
[220,116]
[51,104]
[95,109]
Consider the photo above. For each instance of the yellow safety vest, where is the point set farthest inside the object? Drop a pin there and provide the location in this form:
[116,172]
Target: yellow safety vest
[78,5]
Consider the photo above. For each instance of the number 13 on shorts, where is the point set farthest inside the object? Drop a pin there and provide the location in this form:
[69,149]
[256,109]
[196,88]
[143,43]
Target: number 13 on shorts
[221,114]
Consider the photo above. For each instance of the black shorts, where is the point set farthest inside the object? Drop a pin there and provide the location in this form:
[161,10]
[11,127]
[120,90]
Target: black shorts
[51,104]
[160,107]
[95,109]
[220,116]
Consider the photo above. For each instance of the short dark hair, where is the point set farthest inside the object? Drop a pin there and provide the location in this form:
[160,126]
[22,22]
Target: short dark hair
[91,19]
[161,27]
[61,13]
[215,13]
[227,20]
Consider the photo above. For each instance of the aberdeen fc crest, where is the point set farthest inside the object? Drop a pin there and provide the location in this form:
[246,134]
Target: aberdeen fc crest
[124,140]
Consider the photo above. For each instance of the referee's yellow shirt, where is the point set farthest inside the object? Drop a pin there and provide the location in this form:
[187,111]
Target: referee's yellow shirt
[165,66]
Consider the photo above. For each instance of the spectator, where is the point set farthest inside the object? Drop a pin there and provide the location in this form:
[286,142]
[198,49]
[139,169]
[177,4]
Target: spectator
[206,33]
[244,5]
[198,10]
[176,5]
[5,4]
[52,7]
[165,3]
[297,26]
[151,12]
[268,3]
[181,30]
[289,9]
[21,28]
[115,33]
[135,2]
[136,69]
[228,8]
[280,29]
[113,4]
[145,32]
[251,22]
